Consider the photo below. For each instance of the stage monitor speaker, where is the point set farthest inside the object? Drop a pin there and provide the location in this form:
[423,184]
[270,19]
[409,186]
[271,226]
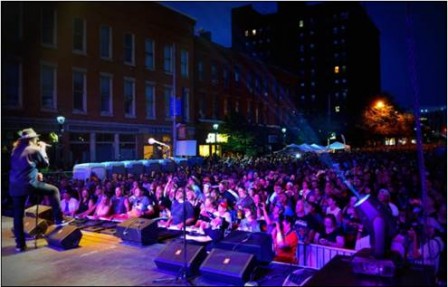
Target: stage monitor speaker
[257,243]
[30,227]
[228,266]
[64,237]
[172,257]
[45,212]
[138,231]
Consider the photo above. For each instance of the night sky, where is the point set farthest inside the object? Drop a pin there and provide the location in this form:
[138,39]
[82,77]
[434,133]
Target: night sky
[429,32]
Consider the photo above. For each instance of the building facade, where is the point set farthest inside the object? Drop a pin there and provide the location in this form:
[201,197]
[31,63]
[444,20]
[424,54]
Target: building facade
[227,81]
[112,69]
[333,47]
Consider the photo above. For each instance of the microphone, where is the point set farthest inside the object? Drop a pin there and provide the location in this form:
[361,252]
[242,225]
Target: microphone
[43,144]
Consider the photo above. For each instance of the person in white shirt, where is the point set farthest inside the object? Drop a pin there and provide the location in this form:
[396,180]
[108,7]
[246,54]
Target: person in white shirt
[69,204]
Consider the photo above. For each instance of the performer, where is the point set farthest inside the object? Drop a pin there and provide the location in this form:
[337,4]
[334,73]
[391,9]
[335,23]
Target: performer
[27,156]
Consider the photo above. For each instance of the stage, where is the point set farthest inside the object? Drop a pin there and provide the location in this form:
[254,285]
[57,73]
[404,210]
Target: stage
[102,260]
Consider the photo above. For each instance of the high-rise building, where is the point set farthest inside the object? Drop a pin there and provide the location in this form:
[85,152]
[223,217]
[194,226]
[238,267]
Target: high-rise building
[334,49]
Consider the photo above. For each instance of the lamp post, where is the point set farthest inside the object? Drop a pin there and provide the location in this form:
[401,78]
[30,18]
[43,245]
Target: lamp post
[61,121]
[284,135]
[152,141]
[215,128]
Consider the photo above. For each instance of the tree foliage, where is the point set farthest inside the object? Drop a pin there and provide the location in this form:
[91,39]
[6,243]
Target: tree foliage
[242,136]
[382,118]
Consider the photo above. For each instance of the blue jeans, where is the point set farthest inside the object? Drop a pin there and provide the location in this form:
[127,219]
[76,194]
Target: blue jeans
[41,188]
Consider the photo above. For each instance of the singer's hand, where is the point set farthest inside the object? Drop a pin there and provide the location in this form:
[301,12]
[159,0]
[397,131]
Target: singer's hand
[40,177]
[43,145]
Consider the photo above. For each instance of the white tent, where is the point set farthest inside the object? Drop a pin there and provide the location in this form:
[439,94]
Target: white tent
[338,146]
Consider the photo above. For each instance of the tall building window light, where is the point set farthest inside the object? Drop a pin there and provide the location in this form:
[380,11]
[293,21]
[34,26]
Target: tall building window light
[301,23]
[246,33]
[12,84]
[184,63]
[337,109]
[79,91]
[48,28]
[168,59]
[149,54]
[79,35]
[129,53]
[48,87]
[336,69]
[106,94]
[106,42]
[129,97]
[254,32]
[150,101]
[344,68]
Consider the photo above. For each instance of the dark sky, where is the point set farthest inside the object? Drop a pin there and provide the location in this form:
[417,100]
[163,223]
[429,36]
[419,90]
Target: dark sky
[429,32]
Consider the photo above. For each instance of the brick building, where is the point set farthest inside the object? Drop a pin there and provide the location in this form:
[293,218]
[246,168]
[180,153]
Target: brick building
[108,67]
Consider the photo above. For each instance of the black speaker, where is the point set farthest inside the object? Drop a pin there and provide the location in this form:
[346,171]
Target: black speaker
[30,227]
[64,237]
[172,257]
[44,212]
[228,266]
[256,243]
[138,231]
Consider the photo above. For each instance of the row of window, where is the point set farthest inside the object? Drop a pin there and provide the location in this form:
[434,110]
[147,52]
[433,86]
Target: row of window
[49,32]
[254,83]
[12,95]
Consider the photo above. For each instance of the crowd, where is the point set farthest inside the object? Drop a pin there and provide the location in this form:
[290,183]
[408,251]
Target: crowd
[306,200]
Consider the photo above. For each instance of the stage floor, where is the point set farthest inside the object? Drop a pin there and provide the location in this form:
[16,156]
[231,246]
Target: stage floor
[101,260]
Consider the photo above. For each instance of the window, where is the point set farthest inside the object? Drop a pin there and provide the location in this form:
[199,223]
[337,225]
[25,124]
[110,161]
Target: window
[225,76]
[237,75]
[129,49]
[79,35]
[254,32]
[337,109]
[200,71]
[150,101]
[184,63]
[48,87]
[12,84]
[246,33]
[168,59]
[106,94]
[300,23]
[167,97]
[106,42]
[186,104]
[149,54]
[336,69]
[214,74]
[129,97]
[48,20]
[79,91]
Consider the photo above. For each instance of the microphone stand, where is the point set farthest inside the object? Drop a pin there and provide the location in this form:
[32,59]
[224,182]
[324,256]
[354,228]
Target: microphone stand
[182,274]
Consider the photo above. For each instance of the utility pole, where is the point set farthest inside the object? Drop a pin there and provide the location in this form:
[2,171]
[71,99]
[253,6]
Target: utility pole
[173,102]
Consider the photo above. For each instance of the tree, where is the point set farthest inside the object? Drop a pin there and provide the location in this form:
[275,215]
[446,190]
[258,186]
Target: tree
[242,137]
[382,118]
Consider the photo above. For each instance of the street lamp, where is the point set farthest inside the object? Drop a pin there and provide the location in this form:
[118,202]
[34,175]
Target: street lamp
[284,135]
[61,121]
[152,141]
[215,128]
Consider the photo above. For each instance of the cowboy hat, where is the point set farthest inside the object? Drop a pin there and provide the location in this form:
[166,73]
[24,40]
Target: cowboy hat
[28,134]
